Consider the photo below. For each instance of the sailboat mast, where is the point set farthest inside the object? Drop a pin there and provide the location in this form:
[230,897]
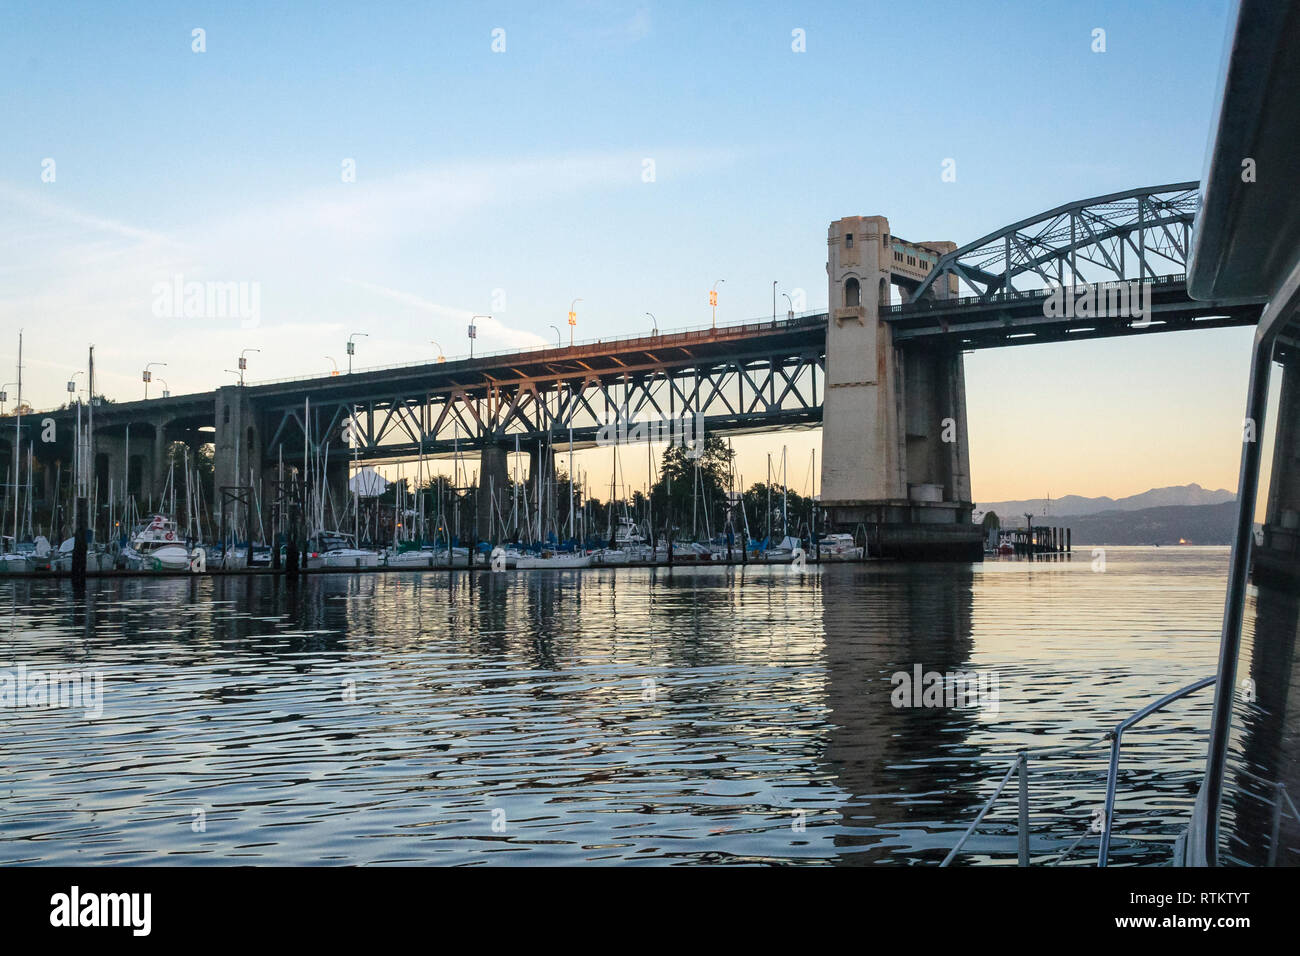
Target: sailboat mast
[18,419]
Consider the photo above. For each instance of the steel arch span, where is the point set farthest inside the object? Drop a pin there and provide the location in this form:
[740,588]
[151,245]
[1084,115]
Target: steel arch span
[1132,235]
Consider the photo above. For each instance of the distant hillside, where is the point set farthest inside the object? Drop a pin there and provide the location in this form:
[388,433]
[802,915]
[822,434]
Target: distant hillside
[1012,512]
[1196,524]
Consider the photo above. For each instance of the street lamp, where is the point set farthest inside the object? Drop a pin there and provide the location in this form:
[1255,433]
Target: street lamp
[330,359]
[441,357]
[713,301]
[166,391]
[243,364]
[558,344]
[790,313]
[774,282]
[473,331]
[655,330]
[352,348]
[148,377]
[573,320]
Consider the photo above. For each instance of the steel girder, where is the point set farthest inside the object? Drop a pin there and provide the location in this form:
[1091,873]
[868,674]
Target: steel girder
[747,392]
[1136,234]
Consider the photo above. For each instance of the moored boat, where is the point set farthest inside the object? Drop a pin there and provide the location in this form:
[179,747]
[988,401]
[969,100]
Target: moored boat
[156,546]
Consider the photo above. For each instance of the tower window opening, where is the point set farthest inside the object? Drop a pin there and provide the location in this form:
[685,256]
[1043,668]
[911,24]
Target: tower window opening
[852,293]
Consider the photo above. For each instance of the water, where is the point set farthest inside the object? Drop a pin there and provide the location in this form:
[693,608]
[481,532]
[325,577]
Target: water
[617,716]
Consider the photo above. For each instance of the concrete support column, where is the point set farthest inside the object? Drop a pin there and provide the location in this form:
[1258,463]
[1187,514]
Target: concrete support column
[237,458]
[541,465]
[493,500]
[338,492]
[896,457]
[158,469]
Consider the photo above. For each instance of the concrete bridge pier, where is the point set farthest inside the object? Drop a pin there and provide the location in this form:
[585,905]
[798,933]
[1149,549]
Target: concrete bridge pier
[541,466]
[896,459]
[337,490]
[493,491]
[238,453]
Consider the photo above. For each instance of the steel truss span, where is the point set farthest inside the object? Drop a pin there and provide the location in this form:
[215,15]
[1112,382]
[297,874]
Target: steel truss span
[759,388]
[1133,235]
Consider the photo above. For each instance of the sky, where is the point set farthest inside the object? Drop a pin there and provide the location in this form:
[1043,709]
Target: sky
[509,182]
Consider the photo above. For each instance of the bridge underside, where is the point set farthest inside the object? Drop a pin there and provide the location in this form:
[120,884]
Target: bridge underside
[1020,318]
[774,381]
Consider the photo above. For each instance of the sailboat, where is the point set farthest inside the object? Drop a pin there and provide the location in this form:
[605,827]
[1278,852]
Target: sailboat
[549,558]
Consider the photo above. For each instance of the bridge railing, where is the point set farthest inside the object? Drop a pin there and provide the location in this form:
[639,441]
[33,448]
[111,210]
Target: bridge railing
[586,346]
[934,305]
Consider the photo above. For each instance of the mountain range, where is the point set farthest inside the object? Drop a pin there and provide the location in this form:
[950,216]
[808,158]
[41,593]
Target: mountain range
[1012,513]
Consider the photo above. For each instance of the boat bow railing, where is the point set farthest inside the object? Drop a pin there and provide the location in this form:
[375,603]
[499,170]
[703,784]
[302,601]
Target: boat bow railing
[1020,767]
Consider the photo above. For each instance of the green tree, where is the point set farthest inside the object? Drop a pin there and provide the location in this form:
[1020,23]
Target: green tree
[797,511]
[692,486]
[201,461]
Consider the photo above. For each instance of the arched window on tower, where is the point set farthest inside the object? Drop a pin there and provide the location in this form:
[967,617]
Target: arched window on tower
[852,293]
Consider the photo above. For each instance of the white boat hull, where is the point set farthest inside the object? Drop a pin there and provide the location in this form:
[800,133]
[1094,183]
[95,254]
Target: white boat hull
[350,558]
[409,559]
[15,564]
[557,561]
[170,557]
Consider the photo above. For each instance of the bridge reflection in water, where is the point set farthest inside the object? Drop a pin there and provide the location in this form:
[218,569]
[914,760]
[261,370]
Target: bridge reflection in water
[698,715]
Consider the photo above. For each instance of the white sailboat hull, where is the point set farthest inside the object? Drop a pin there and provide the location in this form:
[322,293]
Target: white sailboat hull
[350,558]
[556,561]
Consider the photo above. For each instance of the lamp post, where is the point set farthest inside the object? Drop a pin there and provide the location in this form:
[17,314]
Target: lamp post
[790,313]
[558,343]
[352,347]
[774,281]
[655,330]
[473,331]
[148,377]
[573,320]
[330,359]
[166,390]
[441,357]
[713,301]
[243,363]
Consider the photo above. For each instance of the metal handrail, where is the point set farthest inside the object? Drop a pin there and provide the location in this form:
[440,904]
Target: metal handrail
[1021,764]
[980,816]
[1116,737]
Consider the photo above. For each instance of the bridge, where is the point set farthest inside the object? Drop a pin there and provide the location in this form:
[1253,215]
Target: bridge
[883,379]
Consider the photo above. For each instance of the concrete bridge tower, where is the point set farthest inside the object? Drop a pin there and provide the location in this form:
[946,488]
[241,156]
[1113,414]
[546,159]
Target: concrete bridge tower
[895,454]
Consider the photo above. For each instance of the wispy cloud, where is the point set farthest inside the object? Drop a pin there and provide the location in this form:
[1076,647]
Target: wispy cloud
[72,276]
[489,327]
